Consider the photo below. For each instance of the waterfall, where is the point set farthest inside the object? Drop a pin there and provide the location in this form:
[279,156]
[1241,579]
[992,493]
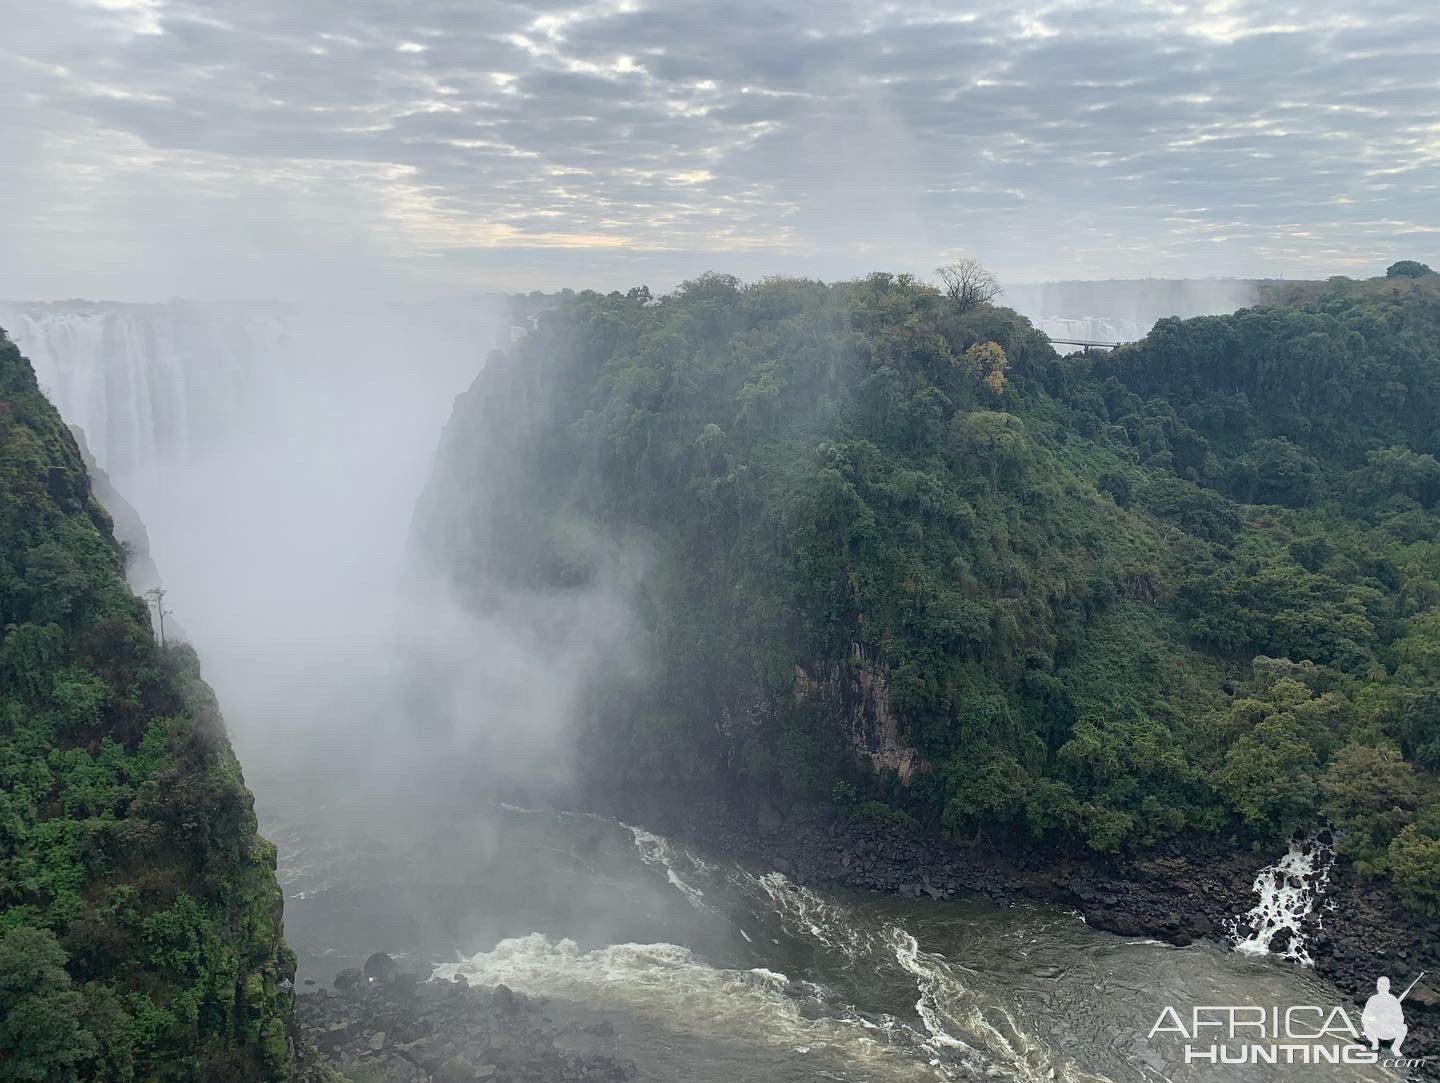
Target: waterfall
[148,383]
[1287,893]
[272,453]
[156,384]
[1123,310]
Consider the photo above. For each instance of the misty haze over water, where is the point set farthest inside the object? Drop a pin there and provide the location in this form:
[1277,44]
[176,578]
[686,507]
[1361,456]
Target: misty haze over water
[285,445]
[275,460]
[288,444]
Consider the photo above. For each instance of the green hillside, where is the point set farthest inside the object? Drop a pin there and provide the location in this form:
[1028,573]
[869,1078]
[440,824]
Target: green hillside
[140,931]
[902,557]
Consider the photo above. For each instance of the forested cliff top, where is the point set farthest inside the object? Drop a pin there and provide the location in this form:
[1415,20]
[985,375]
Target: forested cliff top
[901,556]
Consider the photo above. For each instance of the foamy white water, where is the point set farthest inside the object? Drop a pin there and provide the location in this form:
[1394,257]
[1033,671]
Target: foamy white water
[698,1004]
[713,972]
[1288,891]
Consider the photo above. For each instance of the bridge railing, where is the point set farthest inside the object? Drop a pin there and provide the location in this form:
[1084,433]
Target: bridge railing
[1084,342]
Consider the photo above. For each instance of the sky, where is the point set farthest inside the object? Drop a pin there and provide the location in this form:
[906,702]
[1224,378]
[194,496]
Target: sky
[355,148]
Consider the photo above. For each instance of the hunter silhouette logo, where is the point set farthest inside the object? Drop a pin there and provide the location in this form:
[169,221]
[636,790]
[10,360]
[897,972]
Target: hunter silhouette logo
[1231,1034]
[1383,1019]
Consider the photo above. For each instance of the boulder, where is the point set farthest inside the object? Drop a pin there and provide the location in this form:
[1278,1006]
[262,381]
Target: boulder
[380,967]
[348,979]
[810,1008]
[336,1035]
[404,982]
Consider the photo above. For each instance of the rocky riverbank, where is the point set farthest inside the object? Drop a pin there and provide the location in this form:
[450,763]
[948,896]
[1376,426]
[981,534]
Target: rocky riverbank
[1188,889]
[384,1025]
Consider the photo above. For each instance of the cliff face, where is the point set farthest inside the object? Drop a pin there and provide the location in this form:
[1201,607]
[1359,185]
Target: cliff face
[140,917]
[901,557]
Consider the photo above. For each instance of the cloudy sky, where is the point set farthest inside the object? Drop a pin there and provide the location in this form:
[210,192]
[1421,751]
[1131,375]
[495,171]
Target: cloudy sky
[299,147]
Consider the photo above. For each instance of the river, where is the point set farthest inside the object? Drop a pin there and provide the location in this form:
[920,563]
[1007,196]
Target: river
[717,973]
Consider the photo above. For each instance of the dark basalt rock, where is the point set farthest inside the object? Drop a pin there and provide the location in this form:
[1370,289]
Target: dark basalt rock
[448,1032]
[348,979]
[380,967]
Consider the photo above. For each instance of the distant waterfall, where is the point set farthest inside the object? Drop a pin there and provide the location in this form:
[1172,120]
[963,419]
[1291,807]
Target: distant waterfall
[154,385]
[273,453]
[151,382]
[1123,310]
[1092,328]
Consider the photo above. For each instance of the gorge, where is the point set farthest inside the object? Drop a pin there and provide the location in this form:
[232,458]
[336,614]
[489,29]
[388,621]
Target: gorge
[845,591]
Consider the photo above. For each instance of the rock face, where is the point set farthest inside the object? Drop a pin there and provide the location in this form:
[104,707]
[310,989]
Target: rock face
[398,1029]
[861,701]
[138,895]
[140,569]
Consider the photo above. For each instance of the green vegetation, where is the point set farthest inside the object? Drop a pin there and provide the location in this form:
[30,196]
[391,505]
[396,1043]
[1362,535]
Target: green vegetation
[896,550]
[1407,268]
[139,912]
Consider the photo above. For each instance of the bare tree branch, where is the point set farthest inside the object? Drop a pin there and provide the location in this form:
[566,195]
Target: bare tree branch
[157,596]
[968,283]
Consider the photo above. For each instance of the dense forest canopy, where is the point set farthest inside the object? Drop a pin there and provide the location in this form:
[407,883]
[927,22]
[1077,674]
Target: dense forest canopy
[902,556]
[139,911]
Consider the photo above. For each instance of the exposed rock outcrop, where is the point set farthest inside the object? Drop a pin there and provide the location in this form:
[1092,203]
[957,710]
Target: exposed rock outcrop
[395,1028]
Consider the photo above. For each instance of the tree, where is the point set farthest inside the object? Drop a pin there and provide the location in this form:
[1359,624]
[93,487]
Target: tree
[991,441]
[1408,268]
[157,596]
[1368,792]
[990,363]
[1415,868]
[41,1035]
[1275,471]
[968,283]
[1270,775]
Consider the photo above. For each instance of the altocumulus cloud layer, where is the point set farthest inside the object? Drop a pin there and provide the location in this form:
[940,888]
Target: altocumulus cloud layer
[244,147]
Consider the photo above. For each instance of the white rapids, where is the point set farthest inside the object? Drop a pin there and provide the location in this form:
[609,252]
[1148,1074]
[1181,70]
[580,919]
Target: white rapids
[713,972]
[954,1034]
[1288,891]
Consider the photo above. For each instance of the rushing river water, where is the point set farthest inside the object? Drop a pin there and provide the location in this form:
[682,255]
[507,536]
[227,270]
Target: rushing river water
[714,972]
